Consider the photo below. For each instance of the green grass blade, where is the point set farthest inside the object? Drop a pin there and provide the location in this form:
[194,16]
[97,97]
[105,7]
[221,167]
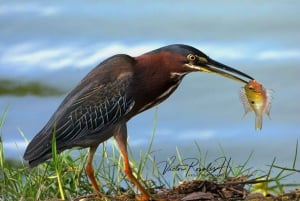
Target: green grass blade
[295,156]
[56,164]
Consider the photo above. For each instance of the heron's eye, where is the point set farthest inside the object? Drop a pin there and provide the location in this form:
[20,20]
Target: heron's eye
[191,57]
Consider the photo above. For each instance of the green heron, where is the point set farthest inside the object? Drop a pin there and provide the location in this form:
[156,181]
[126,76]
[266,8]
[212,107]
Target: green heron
[111,94]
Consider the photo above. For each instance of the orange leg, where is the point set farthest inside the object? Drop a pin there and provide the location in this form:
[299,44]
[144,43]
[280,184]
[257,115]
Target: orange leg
[121,138]
[90,171]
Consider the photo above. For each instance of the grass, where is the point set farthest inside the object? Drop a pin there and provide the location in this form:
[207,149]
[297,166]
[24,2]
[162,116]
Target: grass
[63,177]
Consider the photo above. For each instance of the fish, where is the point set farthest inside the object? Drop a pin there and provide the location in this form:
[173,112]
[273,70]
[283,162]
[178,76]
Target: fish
[256,98]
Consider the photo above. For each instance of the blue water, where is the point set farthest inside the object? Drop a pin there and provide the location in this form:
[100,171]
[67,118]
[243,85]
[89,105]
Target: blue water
[59,42]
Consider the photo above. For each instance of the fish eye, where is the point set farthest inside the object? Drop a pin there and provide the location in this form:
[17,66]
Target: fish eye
[252,102]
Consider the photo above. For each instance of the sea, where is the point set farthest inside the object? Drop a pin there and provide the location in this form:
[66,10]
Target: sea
[56,43]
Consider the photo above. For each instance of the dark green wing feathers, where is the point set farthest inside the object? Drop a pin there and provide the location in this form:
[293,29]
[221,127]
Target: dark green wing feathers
[82,117]
[96,110]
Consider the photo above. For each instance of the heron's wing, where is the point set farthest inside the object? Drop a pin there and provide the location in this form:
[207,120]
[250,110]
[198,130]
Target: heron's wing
[98,102]
[94,111]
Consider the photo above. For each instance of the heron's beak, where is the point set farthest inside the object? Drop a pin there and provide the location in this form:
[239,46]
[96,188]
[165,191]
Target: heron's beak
[212,66]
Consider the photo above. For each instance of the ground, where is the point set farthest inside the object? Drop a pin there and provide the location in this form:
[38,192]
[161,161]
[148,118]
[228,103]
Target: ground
[201,190]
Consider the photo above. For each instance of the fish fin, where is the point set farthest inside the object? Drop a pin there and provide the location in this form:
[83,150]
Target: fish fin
[268,103]
[258,122]
[268,112]
[245,102]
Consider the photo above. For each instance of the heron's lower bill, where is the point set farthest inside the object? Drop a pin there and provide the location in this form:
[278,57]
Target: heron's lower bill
[258,99]
[209,69]
[216,67]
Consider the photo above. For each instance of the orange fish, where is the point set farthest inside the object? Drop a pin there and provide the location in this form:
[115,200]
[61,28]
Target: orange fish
[256,98]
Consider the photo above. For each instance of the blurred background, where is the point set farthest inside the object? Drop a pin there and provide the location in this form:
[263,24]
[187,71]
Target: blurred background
[46,48]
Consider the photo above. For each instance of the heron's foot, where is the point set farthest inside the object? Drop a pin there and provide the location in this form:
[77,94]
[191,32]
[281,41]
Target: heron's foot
[148,198]
[98,194]
[143,198]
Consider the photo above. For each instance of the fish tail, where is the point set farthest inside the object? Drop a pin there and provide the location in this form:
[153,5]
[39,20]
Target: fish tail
[258,122]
